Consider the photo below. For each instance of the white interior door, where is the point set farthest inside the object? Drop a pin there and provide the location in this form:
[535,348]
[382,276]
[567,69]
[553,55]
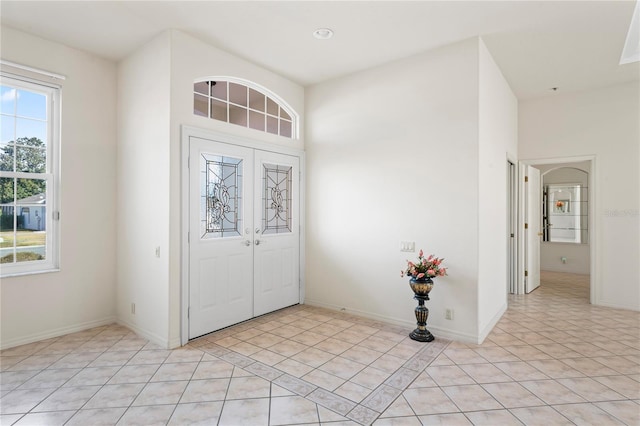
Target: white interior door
[533,229]
[277,232]
[220,237]
[244,238]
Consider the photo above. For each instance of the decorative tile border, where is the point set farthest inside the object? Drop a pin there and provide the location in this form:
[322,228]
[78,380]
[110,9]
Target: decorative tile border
[363,415]
[402,378]
[264,371]
[332,401]
[376,402]
[295,385]
[381,398]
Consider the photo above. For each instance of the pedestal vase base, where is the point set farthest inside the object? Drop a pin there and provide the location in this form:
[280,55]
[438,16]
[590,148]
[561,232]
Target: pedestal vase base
[421,289]
[421,335]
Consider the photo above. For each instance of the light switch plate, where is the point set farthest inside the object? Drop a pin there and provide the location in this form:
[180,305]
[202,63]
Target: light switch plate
[407,246]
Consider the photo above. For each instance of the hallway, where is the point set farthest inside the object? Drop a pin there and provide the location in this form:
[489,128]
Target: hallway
[553,359]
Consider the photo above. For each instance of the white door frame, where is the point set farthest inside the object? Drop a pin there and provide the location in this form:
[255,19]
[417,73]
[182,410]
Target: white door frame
[531,234]
[593,234]
[512,225]
[187,132]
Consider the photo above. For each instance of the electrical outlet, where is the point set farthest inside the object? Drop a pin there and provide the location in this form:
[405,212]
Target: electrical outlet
[448,314]
[133,309]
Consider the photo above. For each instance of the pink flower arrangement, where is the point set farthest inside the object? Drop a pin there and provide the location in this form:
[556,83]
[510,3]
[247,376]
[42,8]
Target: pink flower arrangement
[429,267]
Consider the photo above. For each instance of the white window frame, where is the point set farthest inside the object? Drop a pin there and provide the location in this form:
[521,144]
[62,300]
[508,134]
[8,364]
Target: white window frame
[51,263]
[295,118]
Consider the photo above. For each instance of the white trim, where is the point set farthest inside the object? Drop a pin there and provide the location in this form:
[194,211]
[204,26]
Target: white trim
[152,337]
[197,132]
[302,231]
[184,234]
[32,69]
[512,201]
[365,314]
[631,307]
[39,271]
[482,334]
[56,332]
[439,332]
[453,335]
[187,132]
[52,176]
[520,237]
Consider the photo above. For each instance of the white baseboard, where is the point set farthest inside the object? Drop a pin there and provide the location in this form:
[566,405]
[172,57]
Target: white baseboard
[152,337]
[364,314]
[175,343]
[607,304]
[482,334]
[438,331]
[457,336]
[36,337]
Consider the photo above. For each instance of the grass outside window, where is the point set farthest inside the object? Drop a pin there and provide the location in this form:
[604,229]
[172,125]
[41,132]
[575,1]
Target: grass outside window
[24,238]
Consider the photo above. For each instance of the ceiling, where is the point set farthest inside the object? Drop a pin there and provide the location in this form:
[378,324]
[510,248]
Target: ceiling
[572,45]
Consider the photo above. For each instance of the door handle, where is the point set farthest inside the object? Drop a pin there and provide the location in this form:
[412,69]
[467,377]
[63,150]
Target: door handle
[247,243]
[257,242]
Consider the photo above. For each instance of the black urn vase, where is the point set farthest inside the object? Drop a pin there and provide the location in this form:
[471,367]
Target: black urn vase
[421,288]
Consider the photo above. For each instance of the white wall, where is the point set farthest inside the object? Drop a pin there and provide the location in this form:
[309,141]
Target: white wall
[577,256]
[551,253]
[392,155]
[498,141]
[143,190]
[603,123]
[82,294]
[191,59]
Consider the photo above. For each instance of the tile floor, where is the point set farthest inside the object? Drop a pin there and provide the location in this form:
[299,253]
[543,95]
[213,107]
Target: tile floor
[553,359]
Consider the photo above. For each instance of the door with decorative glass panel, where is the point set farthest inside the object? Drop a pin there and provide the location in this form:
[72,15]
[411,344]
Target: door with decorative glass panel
[244,234]
[276,282]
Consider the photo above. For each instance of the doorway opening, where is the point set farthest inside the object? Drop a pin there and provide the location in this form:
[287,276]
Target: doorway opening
[555,215]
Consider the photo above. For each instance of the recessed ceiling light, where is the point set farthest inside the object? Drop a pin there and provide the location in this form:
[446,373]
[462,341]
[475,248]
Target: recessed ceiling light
[323,33]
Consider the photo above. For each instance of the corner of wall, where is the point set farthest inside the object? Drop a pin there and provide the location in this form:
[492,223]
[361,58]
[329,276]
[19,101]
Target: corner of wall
[484,331]
[497,142]
[143,187]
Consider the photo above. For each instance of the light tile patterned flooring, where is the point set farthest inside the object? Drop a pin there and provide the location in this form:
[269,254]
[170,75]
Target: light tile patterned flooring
[553,359]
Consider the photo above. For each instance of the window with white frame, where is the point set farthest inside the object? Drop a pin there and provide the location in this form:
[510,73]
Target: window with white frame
[29,175]
[245,104]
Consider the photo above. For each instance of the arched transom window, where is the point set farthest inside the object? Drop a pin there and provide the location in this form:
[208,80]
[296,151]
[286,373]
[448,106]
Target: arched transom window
[245,104]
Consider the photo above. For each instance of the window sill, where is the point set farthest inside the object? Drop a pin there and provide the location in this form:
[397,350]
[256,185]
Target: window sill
[22,274]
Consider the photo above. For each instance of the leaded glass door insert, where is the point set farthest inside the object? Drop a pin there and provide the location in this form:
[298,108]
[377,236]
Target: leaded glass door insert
[220,248]
[276,278]
[221,196]
[276,199]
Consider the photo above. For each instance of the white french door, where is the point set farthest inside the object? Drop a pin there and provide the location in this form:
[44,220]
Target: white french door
[243,234]
[276,276]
